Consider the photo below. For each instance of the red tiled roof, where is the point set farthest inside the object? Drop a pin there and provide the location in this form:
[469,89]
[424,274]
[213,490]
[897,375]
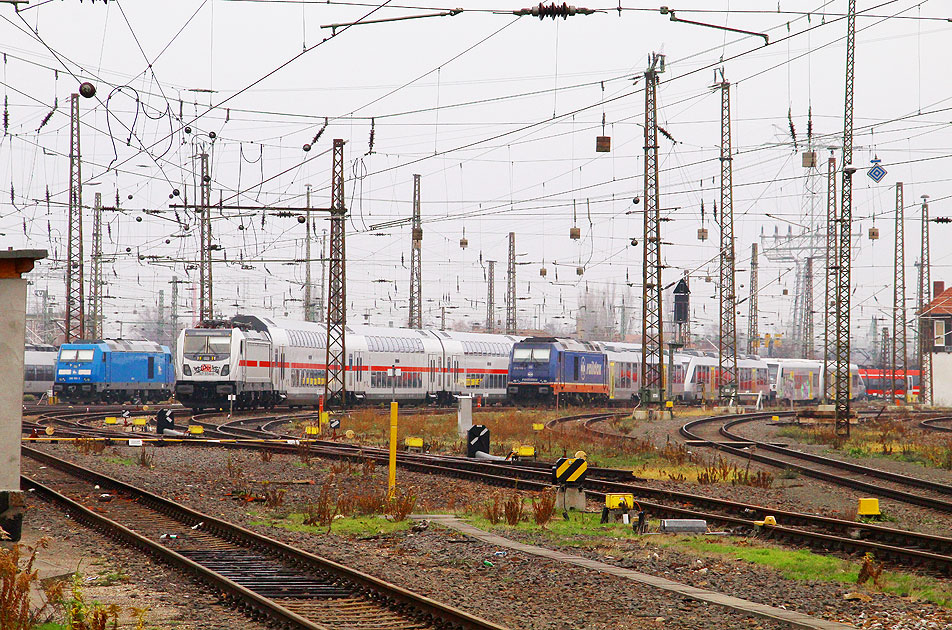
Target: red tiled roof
[941,305]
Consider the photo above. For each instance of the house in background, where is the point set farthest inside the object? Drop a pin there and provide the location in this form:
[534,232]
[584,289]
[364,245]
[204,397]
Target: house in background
[935,327]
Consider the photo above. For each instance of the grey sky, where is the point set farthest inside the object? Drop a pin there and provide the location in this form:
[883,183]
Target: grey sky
[503,164]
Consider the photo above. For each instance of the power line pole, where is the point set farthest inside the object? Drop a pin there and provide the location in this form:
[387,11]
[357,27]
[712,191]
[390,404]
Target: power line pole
[842,368]
[205,309]
[75,325]
[753,332]
[308,295]
[925,329]
[174,314]
[511,287]
[319,306]
[899,350]
[442,318]
[829,336]
[727,340]
[652,326]
[94,327]
[807,305]
[884,357]
[491,296]
[163,325]
[416,265]
[335,383]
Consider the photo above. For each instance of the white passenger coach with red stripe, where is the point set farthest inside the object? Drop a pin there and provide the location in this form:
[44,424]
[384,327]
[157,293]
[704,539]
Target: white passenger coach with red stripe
[382,363]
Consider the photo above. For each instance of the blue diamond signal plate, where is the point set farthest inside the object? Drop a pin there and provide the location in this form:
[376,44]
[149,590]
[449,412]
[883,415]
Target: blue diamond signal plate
[877,173]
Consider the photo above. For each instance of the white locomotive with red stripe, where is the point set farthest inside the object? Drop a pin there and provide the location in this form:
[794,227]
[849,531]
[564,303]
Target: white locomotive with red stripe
[263,361]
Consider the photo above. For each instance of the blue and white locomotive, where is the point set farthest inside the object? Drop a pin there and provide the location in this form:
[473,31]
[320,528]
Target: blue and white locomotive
[114,370]
[542,368]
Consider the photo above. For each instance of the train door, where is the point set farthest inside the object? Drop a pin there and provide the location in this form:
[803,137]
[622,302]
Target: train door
[150,369]
[432,373]
[611,380]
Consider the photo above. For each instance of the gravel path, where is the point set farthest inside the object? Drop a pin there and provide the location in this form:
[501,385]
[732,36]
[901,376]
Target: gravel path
[517,591]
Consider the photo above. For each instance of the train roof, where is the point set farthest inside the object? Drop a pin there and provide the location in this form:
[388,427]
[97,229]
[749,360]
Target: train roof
[118,345]
[564,343]
[40,347]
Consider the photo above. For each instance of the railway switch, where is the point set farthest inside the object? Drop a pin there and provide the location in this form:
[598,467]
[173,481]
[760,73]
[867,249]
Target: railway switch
[413,444]
[522,451]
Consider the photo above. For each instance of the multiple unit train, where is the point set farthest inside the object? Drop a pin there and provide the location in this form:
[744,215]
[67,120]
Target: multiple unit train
[114,370]
[39,369]
[262,361]
[257,361]
[905,383]
[547,367]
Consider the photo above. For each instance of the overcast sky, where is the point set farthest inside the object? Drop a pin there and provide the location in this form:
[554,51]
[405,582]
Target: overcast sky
[498,113]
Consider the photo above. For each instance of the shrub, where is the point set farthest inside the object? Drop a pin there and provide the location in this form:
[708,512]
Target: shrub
[17,579]
[543,507]
[274,498]
[233,467]
[492,510]
[514,509]
[88,446]
[322,511]
[265,455]
[145,458]
[401,504]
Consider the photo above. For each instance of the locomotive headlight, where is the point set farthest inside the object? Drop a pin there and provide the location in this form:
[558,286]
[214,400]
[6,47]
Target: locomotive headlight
[186,369]
[225,370]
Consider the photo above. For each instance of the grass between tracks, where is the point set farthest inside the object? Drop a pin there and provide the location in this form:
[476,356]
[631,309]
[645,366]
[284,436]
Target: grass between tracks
[891,438]
[515,427]
[348,526]
[804,565]
[584,531]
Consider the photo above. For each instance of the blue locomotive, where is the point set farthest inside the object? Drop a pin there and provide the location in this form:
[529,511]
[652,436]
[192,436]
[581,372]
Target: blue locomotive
[543,368]
[114,370]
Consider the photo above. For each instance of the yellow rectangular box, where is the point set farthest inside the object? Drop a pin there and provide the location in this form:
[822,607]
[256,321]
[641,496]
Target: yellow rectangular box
[325,417]
[614,501]
[312,430]
[538,426]
[868,507]
[523,451]
[413,442]
[196,429]
[111,420]
[140,421]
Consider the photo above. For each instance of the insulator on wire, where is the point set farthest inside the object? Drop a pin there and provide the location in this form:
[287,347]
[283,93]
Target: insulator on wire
[6,115]
[553,11]
[370,148]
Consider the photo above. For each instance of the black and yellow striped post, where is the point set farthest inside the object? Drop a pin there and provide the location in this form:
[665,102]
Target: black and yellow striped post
[569,471]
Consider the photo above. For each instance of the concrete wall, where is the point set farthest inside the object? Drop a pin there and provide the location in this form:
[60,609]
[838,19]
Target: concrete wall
[942,379]
[12,310]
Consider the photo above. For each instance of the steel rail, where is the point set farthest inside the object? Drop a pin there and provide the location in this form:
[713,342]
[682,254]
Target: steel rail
[397,598]
[856,484]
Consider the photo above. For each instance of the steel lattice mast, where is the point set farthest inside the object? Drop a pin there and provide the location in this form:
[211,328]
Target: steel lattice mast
[491,296]
[842,366]
[335,382]
[807,305]
[753,332]
[511,287]
[94,327]
[652,326]
[308,288]
[829,337]
[899,350]
[727,340]
[75,324]
[205,311]
[416,271]
[925,329]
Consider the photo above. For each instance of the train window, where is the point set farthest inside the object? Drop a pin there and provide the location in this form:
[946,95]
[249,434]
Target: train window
[67,354]
[85,355]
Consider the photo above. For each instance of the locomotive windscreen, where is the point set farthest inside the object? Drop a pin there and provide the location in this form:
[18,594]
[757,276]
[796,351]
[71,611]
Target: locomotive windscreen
[217,342]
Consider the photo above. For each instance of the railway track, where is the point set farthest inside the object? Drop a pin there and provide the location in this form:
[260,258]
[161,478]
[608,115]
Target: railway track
[932,424]
[900,546]
[264,577]
[827,469]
